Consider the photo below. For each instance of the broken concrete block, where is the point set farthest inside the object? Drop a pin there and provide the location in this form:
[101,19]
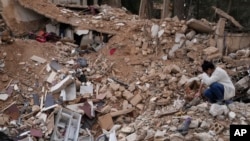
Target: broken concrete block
[199,26]
[176,47]
[38,59]
[131,137]
[62,84]
[114,86]
[210,50]
[4,97]
[179,37]
[127,130]
[160,33]
[190,35]
[243,83]
[214,56]
[89,89]
[204,136]
[136,99]
[106,122]
[154,30]
[69,93]
[51,77]
[216,110]
[127,94]
[231,115]
[183,80]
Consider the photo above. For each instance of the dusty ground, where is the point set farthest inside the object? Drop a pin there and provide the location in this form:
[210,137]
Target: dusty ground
[19,67]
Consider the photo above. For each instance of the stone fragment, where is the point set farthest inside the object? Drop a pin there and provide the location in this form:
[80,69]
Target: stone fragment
[205,125]
[128,95]
[190,35]
[4,97]
[203,136]
[216,110]
[231,115]
[127,130]
[199,26]
[210,50]
[176,137]
[114,86]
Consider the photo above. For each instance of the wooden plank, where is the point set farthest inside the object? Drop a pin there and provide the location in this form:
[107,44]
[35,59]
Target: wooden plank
[225,15]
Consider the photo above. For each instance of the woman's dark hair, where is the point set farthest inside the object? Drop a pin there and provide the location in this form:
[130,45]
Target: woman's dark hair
[207,65]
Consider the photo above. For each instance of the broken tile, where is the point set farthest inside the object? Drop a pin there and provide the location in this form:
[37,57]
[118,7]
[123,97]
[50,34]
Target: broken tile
[127,94]
[106,122]
[38,59]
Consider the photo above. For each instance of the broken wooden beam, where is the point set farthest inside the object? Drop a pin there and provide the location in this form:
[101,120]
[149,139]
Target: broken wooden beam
[225,15]
[121,112]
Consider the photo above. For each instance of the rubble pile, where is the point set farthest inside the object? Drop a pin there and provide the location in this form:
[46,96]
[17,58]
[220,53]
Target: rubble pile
[138,86]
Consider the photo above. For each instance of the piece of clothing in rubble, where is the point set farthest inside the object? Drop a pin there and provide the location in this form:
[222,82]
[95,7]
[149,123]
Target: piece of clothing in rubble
[220,85]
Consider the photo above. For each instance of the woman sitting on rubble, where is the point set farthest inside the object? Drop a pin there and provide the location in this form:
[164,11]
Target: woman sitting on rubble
[220,85]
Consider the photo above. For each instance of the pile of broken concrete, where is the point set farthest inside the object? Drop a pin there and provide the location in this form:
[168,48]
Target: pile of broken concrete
[82,98]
